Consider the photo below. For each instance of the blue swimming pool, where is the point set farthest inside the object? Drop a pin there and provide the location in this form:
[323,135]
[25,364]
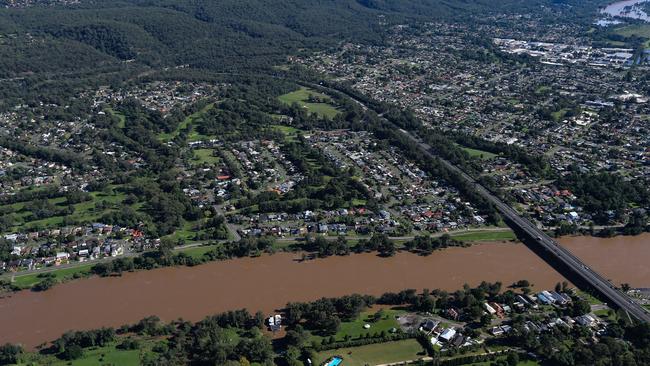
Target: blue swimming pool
[336,361]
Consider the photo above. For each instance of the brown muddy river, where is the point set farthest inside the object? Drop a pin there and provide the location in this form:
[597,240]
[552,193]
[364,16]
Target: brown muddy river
[620,259]
[269,282]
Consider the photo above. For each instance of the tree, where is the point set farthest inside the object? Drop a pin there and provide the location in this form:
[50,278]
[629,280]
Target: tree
[521,283]
[486,319]
[342,246]
[44,285]
[296,337]
[512,359]
[256,350]
[580,307]
[9,354]
[378,315]
[72,352]
[165,247]
[292,356]
[384,245]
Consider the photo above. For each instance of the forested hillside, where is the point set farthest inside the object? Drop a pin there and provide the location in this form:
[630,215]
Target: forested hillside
[51,49]
[221,35]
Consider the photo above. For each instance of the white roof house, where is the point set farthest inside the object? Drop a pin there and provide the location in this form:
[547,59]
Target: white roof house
[448,334]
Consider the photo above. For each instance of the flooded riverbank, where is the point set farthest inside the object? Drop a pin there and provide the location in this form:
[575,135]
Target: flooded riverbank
[266,283]
[269,282]
[627,9]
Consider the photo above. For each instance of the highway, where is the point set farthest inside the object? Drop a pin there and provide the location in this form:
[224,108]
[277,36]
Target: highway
[539,237]
[535,234]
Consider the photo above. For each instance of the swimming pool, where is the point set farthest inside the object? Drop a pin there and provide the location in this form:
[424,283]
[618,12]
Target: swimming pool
[335,362]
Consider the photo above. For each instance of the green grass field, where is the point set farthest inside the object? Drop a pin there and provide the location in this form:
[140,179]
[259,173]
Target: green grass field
[355,328]
[27,281]
[558,115]
[197,252]
[589,298]
[290,133]
[301,96]
[186,232]
[84,212]
[485,155]
[194,136]
[375,354]
[640,30]
[106,356]
[120,117]
[185,124]
[202,156]
[520,363]
[609,315]
[486,236]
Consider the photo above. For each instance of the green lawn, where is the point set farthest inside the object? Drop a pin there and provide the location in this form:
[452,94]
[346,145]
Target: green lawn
[205,156]
[486,236]
[186,232]
[520,363]
[106,356]
[84,212]
[27,281]
[640,30]
[355,328]
[197,252]
[374,354]
[589,298]
[301,96]
[485,155]
[558,115]
[194,136]
[290,133]
[185,124]
[119,116]
[109,355]
[605,314]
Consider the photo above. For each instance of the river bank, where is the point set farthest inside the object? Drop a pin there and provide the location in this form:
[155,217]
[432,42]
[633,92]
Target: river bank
[631,9]
[268,282]
[265,283]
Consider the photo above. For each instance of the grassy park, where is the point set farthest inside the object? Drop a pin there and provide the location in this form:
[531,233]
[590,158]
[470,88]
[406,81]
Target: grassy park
[205,156]
[486,236]
[60,275]
[84,212]
[301,96]
[375,354]
[355,329]
[106,356]
[635,30]
[185,124]
[484,155]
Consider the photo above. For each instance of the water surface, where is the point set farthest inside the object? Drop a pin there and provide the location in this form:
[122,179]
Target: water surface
[627,9]
[269,282]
